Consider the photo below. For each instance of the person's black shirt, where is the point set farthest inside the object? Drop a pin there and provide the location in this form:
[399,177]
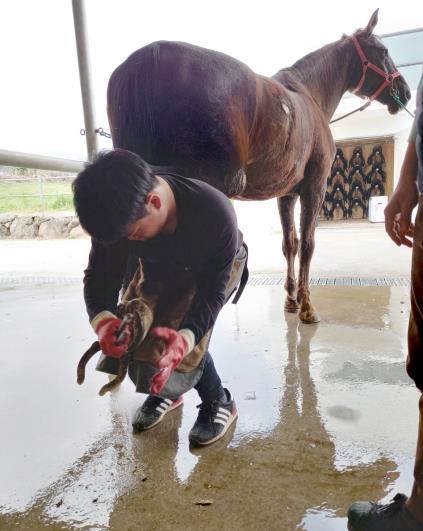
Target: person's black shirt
[206,240]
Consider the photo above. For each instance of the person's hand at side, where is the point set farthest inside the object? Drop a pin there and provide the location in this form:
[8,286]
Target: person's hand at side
[398,223]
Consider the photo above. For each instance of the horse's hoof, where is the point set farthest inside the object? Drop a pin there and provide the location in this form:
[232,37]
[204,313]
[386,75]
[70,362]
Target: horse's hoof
[291,310]
[309,317]
[291,306]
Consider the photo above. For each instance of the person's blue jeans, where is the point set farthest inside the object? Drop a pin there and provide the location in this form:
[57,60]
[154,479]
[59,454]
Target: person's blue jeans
[209,386]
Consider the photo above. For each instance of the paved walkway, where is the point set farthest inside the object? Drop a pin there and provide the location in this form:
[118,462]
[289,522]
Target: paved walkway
[327,415]
[357,250]
[306,443]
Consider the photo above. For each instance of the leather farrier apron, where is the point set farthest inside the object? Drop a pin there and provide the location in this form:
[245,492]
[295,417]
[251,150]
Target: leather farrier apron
[165,302]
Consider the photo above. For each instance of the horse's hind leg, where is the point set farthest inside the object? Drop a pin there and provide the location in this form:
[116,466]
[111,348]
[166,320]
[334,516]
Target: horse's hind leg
[311,202]
[286,207]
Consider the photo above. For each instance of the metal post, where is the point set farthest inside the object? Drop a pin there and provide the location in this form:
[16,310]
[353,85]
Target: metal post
[78,7]
[41,193]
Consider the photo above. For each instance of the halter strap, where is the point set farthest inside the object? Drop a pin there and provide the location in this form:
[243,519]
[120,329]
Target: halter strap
[366,64]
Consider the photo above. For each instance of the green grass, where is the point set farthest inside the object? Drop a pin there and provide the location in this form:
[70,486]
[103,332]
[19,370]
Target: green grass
[33,203]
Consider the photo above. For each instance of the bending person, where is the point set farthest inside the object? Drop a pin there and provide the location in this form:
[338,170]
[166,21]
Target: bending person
[182,235]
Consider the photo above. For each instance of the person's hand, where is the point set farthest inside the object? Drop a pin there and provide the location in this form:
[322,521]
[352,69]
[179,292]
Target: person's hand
[175,350]
[107,330]
[398,214]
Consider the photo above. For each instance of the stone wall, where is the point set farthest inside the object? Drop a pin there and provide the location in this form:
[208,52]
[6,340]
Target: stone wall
[45,226]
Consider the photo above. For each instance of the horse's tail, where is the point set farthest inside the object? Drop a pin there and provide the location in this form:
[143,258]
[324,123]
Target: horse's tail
[131,95]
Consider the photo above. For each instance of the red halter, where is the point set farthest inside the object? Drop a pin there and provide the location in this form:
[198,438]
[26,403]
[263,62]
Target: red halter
[365,63]
[389,80]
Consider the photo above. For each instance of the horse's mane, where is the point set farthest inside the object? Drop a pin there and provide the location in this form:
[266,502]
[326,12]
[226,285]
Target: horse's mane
[292,76]
[307,64]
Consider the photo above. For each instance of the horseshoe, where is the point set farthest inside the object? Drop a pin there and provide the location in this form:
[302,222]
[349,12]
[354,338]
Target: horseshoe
[123,361]
[123,369]
[80,371]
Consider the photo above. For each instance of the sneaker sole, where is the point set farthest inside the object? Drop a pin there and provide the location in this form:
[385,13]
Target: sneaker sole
[231,420]
[174,406]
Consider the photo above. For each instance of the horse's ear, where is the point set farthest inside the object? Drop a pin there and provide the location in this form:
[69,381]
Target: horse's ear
[372,22]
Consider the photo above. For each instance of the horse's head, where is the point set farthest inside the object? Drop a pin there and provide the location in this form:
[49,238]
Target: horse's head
[375,75]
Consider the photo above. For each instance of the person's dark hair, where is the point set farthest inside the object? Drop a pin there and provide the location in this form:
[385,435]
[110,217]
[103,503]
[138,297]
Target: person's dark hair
[110,193]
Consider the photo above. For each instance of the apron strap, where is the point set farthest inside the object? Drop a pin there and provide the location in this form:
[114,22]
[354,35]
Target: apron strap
[244,276]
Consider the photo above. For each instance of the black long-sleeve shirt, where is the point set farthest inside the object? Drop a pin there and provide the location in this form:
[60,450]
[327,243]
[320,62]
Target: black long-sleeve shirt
[206,240]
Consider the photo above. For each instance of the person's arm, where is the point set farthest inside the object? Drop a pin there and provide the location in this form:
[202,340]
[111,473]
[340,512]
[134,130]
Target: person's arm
[217,244]
[405,197]
[102,282]
[211,285]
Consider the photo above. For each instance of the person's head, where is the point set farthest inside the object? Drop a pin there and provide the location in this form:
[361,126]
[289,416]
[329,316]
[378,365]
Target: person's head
[114,198]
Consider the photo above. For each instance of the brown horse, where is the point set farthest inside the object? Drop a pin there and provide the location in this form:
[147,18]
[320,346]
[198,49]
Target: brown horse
[209,117]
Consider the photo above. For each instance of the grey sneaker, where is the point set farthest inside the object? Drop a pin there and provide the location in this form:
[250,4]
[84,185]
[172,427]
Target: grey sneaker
[394,516]
[153,410]
[213,421]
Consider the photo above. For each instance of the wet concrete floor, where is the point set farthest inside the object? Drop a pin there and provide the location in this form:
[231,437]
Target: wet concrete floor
[327,415]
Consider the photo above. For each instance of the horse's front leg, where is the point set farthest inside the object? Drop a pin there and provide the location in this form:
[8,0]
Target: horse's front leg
[311,202]
[286,207]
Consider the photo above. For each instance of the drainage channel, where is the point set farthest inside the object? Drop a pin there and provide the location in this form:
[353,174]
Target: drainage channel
[276,279]
[257,279]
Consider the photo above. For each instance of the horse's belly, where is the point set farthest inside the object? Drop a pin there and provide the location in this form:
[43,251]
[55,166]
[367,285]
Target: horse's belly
[262,185]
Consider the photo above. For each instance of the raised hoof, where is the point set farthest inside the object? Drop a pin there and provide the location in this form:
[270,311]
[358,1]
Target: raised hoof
[291,306]
[309,317]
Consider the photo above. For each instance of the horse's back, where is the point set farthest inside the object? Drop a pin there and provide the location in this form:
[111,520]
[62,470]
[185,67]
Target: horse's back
[184,106]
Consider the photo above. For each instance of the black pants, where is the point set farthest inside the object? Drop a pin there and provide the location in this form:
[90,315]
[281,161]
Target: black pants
[208,386]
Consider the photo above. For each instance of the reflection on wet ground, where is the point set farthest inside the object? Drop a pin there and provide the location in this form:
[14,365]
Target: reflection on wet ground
[327,415]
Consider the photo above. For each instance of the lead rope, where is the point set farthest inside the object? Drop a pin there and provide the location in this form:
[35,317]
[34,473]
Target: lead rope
[394,96]
[400,103]
[352,112]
